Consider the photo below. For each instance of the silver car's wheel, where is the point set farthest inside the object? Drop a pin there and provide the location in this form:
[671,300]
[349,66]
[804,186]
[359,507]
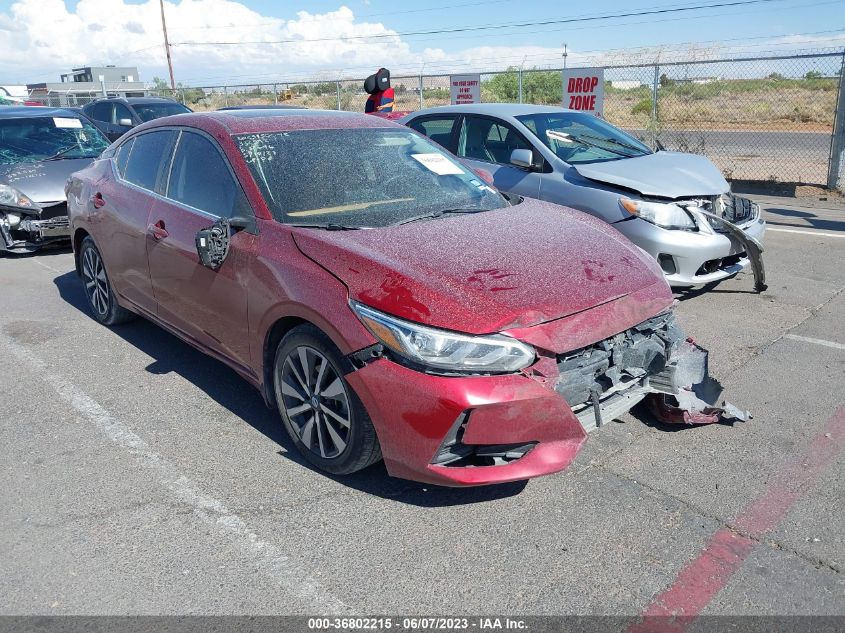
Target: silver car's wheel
[316,402]
[96,284]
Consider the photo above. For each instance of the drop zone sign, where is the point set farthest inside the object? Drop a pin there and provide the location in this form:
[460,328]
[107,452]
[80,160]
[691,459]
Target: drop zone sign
[583,89]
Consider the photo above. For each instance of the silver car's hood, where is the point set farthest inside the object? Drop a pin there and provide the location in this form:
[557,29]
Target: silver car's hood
[663,174]
[42,182]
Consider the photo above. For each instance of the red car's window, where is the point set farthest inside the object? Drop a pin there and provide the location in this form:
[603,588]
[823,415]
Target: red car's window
[150,153]
[201,179]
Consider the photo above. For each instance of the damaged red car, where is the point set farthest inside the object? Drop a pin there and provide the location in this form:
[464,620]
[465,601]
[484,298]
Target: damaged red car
[380,295]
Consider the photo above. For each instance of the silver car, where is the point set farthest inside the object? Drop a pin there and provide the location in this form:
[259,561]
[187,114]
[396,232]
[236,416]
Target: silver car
[676,206]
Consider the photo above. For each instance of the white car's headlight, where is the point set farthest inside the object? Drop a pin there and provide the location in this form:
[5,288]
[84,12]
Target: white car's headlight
[667,216]
[11,197]
[444,350]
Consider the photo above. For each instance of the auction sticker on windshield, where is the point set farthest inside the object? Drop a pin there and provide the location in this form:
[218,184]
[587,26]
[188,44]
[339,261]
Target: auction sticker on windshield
[437,163]
[69,123]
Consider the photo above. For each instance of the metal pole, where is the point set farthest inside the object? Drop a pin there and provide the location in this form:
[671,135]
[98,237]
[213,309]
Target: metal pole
[836,166]
[337,90]
[519,85]
[421,92]
[226,95]
[275,94]
[167,47]
[654,87]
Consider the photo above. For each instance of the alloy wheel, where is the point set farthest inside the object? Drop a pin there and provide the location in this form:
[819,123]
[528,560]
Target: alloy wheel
[316,401]
[96,283]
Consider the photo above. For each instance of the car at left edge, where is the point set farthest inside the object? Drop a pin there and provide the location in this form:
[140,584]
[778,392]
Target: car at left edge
[39,149]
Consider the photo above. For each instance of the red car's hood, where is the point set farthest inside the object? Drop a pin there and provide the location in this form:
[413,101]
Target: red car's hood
[486,272]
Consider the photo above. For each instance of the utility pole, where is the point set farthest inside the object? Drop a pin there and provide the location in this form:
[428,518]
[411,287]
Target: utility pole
[565,55]
[167,47]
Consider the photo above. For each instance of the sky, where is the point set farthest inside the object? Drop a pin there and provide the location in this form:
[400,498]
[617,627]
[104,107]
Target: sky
[244,41]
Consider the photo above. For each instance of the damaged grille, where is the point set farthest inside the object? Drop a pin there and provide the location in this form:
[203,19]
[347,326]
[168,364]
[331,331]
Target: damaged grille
[54,211]
[733,208]
[617,363]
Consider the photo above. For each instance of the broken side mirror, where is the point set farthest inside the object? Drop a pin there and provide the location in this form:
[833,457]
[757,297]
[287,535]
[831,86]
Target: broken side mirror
[213,244]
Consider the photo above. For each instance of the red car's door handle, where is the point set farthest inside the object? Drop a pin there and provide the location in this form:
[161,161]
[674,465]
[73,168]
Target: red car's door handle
[97,200]
[157,230]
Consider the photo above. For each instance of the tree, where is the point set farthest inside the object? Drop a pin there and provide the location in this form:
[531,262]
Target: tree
[813,74]
[665,82]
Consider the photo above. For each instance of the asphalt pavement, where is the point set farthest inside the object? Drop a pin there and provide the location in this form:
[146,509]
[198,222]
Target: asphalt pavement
[141,477]
[755,154]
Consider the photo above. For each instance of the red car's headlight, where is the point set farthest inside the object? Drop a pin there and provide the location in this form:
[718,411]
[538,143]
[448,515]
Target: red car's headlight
[445,350]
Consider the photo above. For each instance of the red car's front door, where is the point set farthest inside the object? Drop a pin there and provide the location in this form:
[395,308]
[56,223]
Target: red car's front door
[208,305]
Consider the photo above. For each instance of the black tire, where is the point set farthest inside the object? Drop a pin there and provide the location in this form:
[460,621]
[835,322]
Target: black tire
[98,290]
[325,398]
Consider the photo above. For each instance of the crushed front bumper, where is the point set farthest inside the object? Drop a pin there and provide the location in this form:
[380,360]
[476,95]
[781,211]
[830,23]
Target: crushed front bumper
[474,430]
[696,258]
[29,232]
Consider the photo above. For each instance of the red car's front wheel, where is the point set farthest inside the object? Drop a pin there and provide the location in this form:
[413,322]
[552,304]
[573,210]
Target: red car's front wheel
[321,413]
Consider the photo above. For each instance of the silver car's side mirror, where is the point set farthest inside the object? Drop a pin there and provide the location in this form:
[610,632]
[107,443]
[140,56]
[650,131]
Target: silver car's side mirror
[523,158]
[125,122]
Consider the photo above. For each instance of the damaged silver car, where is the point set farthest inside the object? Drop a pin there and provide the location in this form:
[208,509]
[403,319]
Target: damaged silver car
[677,207]
[39,149]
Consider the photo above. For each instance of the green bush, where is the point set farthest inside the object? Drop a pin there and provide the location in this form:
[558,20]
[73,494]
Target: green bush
[643,106]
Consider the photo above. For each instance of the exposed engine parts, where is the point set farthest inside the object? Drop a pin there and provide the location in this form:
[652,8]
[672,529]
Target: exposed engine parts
[650,359]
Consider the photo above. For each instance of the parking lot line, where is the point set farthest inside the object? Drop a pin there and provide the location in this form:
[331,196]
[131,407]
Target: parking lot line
[273,562]
[814,341]
[808,232]
[674,609]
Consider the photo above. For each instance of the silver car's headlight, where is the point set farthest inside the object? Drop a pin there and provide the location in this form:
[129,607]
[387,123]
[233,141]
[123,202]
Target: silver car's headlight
[11,197]
[444,350]
[664,215]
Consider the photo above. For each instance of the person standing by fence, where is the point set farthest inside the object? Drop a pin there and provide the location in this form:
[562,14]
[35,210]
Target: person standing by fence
[381,94]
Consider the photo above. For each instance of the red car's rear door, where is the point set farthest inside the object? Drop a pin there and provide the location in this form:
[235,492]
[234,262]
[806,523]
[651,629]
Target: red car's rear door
[210,306]
[126,200]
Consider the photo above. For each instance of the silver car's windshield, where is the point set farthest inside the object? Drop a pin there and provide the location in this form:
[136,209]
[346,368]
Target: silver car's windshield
[582,138]
[361,177]
[33,139]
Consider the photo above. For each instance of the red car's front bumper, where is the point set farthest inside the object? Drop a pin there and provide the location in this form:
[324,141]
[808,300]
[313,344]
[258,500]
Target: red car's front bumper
[414,412]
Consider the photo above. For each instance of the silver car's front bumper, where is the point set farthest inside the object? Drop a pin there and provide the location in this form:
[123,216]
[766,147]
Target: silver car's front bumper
[697,257]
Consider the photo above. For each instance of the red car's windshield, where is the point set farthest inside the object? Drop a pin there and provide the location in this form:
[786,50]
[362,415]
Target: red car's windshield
[362,177]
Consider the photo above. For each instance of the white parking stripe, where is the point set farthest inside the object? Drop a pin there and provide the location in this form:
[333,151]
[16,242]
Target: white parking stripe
[814,341]
[816,233]
[265,555]
[48,267]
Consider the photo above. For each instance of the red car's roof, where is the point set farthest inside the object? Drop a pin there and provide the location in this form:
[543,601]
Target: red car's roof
[253,121]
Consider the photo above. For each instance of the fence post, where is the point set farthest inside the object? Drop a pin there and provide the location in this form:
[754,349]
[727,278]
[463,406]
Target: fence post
[836,166]
[421,92]
[275,94]
[519,85]
[337,90]
[655,85]
[226,95]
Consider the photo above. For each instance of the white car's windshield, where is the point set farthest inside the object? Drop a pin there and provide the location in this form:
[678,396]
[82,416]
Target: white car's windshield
[33,139]
[582,138]
[352,178]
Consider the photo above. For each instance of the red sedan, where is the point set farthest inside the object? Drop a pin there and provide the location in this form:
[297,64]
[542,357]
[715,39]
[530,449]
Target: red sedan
[380,295]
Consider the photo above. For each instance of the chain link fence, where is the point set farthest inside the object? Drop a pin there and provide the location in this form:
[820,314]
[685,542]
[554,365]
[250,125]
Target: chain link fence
[762,118]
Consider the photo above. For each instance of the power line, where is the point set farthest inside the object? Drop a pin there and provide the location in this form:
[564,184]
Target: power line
[552,57]
[488,27]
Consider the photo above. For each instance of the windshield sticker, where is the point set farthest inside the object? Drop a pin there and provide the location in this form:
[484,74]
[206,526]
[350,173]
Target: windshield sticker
[68,123]
[438,163]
